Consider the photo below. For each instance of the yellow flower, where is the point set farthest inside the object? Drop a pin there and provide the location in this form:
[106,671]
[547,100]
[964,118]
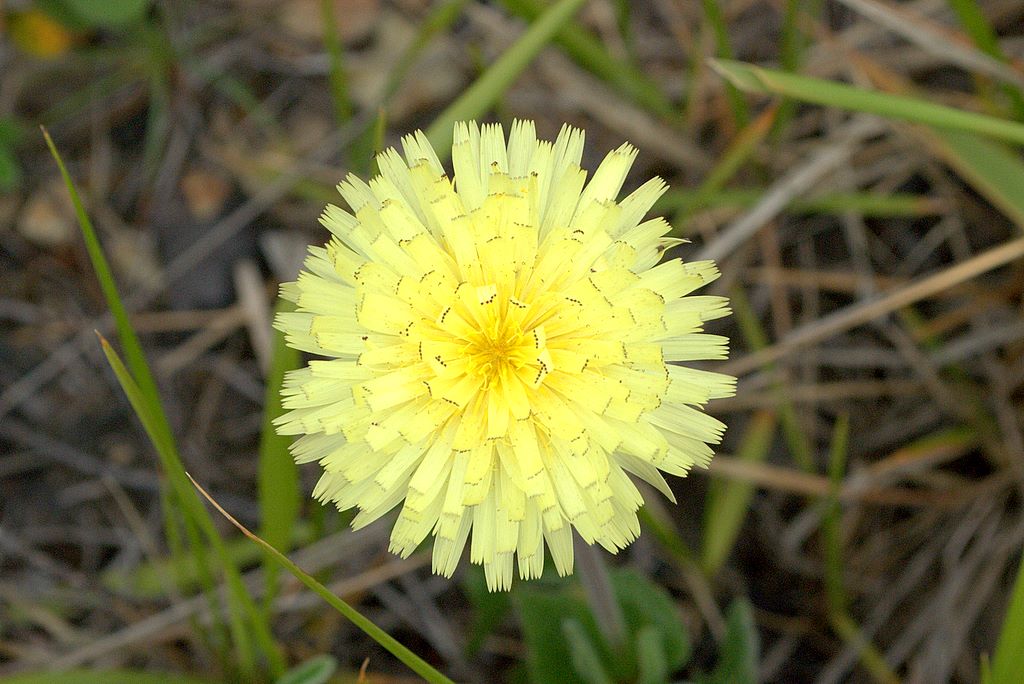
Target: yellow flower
[499,351]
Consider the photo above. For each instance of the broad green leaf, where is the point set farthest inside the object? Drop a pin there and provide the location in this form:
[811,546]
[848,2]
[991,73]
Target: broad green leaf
[486,90]
[647,605]
[739,654]
[646,609]
[759,80]
[542,611]
[12,132]
[651,664]
[585,658]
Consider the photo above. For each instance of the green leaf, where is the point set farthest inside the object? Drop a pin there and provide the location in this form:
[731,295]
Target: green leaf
[738,657]
[337,76]
[647,605]
[101,677]
[647,610]
[541,612]
[759,80]
[652,666]
[486,90]
[316,670]
[585,658]
[869,204]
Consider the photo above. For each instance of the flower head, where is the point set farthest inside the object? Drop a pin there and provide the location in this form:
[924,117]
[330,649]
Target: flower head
[500,350]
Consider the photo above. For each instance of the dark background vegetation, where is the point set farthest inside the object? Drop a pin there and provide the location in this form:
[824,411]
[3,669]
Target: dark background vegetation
[206,136]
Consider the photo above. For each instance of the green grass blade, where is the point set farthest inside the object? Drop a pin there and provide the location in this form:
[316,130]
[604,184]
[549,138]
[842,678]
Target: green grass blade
[336,77]
[486,90]
[278,477]
[759,80]
[831,529]
[413,661]
[144,397]
[241,636]
[868,204]
[136,360]
[980,31]
[791,52]
[738,104]
[727,502]
[588,51]
[1008,660]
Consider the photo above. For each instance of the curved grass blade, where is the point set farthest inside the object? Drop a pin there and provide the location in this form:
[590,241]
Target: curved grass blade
[759,80]
[395,647]
[278,477]
[134,357]
[240,604]
[145,399]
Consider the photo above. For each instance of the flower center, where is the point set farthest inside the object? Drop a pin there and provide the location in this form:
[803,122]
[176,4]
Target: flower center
[498,350]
